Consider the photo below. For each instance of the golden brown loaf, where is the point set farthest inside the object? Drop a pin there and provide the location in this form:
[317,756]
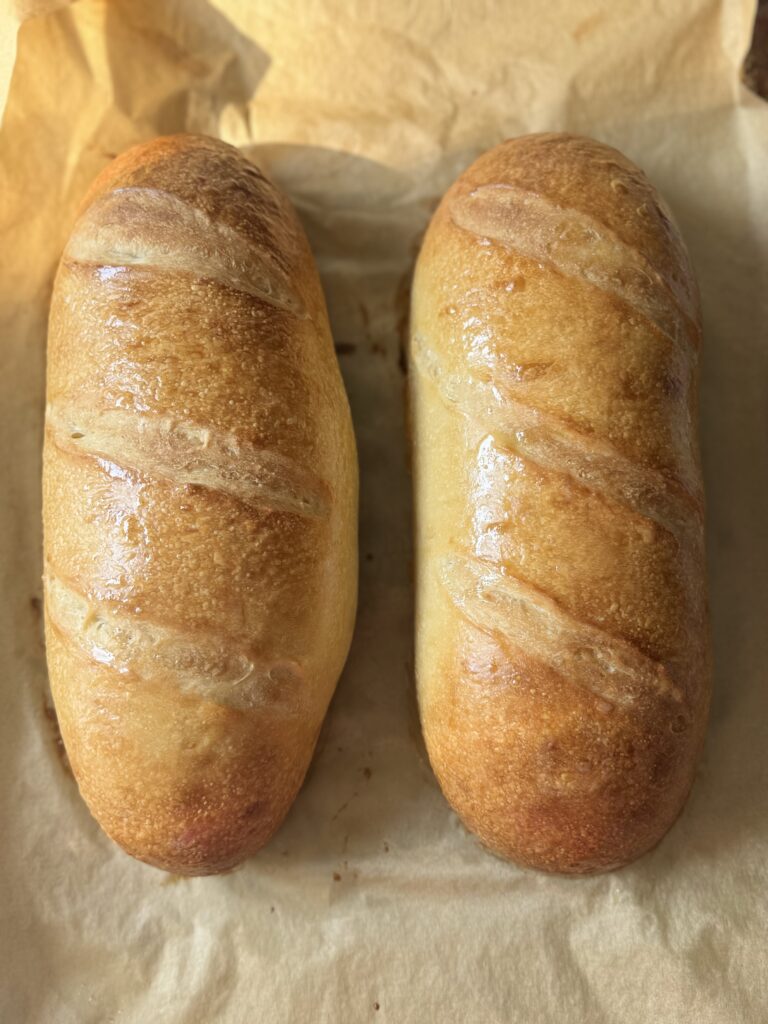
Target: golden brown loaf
[562,651]
[200,504]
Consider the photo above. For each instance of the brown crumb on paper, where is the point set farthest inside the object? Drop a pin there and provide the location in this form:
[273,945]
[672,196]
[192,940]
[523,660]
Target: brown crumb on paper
[336,876]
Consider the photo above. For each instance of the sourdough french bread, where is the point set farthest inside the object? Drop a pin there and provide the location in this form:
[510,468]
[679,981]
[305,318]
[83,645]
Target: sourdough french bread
[561,625]
[200,489]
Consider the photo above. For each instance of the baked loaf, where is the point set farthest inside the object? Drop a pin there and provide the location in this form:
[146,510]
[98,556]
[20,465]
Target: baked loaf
[200,504]
[562,643]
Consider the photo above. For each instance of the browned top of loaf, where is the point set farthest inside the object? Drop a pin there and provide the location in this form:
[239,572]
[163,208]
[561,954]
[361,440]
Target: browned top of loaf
[199,503]
[582,175]
[215,179]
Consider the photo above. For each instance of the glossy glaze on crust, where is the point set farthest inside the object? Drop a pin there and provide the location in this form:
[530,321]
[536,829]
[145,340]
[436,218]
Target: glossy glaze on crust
[562,652]
[200,490]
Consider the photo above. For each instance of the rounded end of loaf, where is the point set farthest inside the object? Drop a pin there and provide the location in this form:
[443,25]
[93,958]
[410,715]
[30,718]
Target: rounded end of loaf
[190,837]
[198,845]
[200,850]
[562,839]
[198,795]
[551,774]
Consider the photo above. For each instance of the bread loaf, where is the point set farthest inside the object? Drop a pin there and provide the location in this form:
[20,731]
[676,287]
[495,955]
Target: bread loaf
[200,490]
[562,645]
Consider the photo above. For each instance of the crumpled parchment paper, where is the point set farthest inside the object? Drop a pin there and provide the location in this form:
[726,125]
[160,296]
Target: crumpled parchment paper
[372,903]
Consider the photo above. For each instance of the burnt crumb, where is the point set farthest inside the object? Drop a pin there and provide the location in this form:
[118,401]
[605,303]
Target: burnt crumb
[50,715]
[343,807]
[351,873]
[345,348]
[376,1006]
[36,605]
[271,910]
[386,847]
[367,772]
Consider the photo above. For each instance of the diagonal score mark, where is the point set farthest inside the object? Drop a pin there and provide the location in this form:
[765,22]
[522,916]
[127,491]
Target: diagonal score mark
[204,665]
[579,247]
[543,439]
[185,453]
[502,604]
[153,228]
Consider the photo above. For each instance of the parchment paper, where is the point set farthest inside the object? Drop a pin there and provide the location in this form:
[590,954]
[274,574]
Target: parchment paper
[372,903]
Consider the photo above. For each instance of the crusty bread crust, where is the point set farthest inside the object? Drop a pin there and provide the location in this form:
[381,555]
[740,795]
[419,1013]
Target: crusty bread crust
[562,644]
[200,504]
